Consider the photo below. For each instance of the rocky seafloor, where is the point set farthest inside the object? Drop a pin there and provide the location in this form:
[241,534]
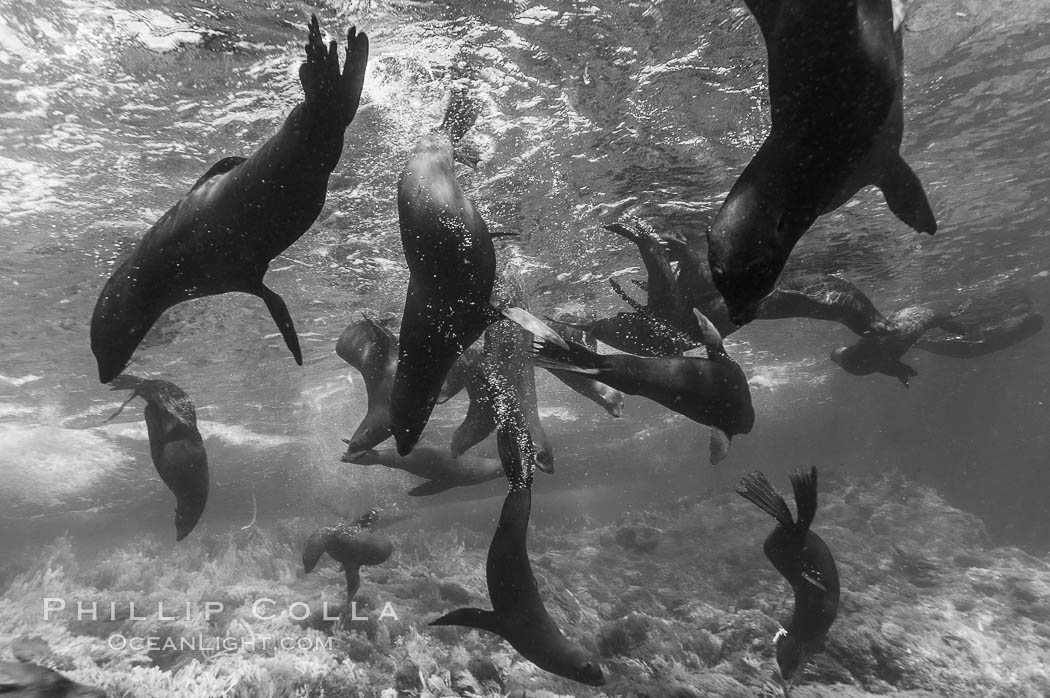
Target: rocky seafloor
[678,600]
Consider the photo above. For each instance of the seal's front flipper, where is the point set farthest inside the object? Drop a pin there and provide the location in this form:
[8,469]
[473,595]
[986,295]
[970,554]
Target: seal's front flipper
[470,618]
[906,197]
[710,337]
[902,372]
[533,324]
[428,488]
[279,312]
[313,549]
[720,443]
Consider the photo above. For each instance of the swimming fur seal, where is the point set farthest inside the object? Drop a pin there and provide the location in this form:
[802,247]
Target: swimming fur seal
[803,558]
[349,545]
[881,353]
[222,236]
[518,614]
[712,391]
[439,467]
[835,88]
[175,445]
[988,323]
[372,349]
[29,680]
[452,267]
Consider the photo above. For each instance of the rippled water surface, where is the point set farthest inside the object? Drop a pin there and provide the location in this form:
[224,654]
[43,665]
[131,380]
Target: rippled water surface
[110,110]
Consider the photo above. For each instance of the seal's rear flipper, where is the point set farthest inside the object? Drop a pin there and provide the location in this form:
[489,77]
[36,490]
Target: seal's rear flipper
[572,357]
[428,488]
[902,372]
[279,312]
[637,305]
[756,488]
[906,197]
[709,336]
[805,487]
[720,442]
[353,580]
[470,618]
[533,324]
[322,83]
[366,456]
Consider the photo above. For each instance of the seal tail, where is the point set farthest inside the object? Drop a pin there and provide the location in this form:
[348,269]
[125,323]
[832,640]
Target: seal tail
[805,487]
[756,488]
[906,197]
[574,357]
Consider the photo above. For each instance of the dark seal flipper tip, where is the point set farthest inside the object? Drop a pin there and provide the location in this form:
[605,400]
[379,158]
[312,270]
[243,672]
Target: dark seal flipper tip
[906,197]
[279,312]
[470,618]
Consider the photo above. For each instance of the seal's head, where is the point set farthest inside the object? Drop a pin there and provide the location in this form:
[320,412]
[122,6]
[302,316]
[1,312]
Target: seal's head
[580,665]
[838,355]
[745,252]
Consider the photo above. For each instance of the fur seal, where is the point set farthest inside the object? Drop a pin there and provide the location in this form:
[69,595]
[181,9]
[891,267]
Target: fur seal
[349,545]
[239,216]
[882,353]
[804,560]
[518,614]
[29,680]
[452,267]
[989,323]
[610,399]
[175,445]
[439,467]
[835,76]
[372,349]
[712,391]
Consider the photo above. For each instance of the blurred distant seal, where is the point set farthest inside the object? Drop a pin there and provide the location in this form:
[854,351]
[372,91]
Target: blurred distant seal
[175,445]
[29,680]
[712,391]
[349,545]
[439,467]
[881,353]
[835,86]
[222,236]
[452,267]
[804,559]
[518,614]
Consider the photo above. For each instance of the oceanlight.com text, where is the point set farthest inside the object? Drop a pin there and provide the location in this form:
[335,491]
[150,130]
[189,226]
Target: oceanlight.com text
[200,643]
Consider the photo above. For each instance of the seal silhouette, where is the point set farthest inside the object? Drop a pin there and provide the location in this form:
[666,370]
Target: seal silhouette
[835,81]
[518,614]
[439,467]
[712,391]
[804,560]
[241,214]
[881,353]
[351,546]
[452,267]
[175,445]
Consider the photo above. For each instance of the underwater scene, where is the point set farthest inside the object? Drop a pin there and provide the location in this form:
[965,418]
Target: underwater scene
[532,348]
